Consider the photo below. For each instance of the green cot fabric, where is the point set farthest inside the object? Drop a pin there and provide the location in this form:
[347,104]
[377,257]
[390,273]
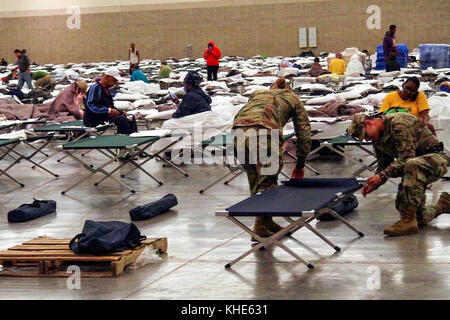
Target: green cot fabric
[31,139]
[63,126]
[108,142]
[6,126]
[222,140]
[345,140]
[39,74]
[5,142]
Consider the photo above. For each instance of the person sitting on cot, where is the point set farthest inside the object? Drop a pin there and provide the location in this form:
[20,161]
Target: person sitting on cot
[316,69]
[12,75]
[409,99]
[69,103]
[164,70]
[137,74]
[337,65]
[100,105]
[195,99]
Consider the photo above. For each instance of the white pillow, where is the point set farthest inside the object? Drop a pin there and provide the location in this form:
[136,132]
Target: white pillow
[144,103]
[165,115]
[124,105]
[129,97]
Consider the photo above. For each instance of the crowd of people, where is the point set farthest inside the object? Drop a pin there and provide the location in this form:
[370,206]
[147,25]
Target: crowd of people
[404,140]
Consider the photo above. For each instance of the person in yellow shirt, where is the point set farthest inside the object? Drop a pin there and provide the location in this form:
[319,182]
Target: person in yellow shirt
[409,98]
[337,65]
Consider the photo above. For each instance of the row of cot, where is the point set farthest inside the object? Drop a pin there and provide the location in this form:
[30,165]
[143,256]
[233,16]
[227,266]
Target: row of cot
[69,138]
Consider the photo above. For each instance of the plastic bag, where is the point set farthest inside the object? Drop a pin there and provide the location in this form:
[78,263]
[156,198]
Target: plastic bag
[147,256]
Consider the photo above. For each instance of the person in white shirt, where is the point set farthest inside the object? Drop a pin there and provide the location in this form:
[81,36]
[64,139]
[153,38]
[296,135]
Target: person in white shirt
[133,56]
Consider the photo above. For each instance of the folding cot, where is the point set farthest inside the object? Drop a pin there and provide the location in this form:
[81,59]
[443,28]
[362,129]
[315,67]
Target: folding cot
[17,124]
[225,141]
[337,144]
[71,129]
[9,146]
[304,199]
[106,144]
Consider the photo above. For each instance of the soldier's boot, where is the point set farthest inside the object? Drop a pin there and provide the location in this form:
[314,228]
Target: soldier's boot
[260,229]
[443,204]
[271,225]
[406,225]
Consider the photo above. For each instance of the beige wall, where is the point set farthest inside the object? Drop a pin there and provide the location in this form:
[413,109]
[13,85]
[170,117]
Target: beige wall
[242,28]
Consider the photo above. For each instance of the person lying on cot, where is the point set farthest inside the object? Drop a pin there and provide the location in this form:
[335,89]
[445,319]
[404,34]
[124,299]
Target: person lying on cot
[411,100]
[100,105]
[420,160]
[264,116]
[195,99]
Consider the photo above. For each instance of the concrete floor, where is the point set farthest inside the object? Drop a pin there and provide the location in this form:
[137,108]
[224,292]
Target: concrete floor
[200,244]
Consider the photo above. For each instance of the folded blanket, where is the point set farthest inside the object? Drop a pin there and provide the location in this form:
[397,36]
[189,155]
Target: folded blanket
[21,134]
[335,109]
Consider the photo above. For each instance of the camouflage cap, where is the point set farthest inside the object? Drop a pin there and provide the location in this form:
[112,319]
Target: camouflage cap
[357,127]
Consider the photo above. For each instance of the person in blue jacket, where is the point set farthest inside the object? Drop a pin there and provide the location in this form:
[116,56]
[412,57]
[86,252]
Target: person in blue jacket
[195,99]
[137,74]
[99,106]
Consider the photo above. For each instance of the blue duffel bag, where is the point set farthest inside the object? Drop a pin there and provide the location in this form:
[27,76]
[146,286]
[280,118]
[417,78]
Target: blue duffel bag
[342,208]
[154,208]
[101,237]
[32,211]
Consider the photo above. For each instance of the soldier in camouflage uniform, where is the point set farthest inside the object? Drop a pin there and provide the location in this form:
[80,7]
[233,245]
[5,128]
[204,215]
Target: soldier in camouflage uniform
[267,111]
[420,160]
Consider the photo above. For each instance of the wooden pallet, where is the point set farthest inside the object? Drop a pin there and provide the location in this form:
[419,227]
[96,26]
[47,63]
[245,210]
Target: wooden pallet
[50,257]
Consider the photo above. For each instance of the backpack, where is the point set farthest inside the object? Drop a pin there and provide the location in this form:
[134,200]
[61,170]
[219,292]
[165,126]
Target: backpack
[342,208]
[106,237]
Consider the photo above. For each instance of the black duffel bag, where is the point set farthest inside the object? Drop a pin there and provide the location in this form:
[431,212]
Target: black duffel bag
[26,212]
[154,208]
[100,237]
[342,208]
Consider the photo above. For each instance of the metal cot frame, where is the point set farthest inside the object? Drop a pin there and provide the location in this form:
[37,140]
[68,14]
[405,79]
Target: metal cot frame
[304,220]
[9,147]
[237,171]
[134,147]
[69,128]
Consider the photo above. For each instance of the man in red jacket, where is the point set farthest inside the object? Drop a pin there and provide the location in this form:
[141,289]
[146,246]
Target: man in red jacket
[212,55]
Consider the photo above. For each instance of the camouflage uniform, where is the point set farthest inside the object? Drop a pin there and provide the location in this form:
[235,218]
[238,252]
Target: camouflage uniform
[407,139]
[271,109]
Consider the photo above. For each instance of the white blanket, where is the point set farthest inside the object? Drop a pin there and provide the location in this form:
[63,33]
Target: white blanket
[150,133]
[21,134]
[440,117]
